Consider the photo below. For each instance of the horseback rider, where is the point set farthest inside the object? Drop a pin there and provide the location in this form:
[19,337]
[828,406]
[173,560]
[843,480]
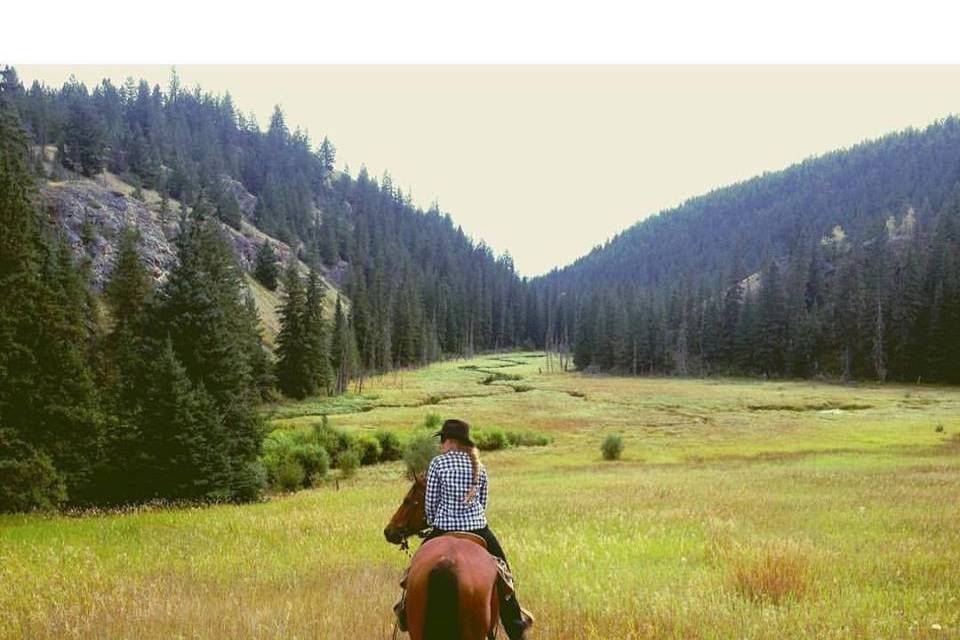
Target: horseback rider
[456,500]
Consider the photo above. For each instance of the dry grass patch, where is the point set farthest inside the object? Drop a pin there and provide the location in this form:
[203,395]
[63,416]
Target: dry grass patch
[773,573]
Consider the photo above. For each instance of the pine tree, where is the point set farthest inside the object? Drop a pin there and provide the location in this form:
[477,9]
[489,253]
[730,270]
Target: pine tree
[228,211]
[28,476]
[127,293]
[203,311]
[771,323]
[265,267]
[328,154]
[328,241]
[316,338]
[69,419]
[291,368]
[49,404]
[185,447]
[84,136]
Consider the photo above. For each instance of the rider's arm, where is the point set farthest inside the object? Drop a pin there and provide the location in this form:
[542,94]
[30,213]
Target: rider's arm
[432,499]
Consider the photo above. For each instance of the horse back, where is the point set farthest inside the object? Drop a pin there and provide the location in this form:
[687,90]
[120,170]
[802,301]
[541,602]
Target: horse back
[451,586]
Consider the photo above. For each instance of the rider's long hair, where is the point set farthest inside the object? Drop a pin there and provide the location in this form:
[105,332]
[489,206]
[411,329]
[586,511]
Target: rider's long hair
[475,463]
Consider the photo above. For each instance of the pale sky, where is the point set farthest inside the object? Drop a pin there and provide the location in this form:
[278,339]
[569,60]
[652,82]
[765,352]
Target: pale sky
[547,161]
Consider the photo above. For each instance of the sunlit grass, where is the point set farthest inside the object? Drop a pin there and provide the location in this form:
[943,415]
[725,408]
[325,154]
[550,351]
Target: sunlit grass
[794,519]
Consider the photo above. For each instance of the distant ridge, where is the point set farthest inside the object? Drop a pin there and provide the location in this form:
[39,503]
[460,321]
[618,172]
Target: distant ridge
[856,251]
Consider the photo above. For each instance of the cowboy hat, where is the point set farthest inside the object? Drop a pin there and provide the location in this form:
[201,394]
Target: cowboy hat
[456,429]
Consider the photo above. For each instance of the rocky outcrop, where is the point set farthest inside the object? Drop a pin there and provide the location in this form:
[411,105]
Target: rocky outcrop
[97,211]
[94,212]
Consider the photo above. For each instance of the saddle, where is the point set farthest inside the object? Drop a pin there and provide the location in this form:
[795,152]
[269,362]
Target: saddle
[504,577]
[464,535]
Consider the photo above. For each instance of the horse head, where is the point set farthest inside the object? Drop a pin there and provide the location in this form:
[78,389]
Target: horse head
[411,517]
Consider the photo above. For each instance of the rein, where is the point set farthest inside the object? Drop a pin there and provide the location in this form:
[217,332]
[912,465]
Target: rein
[405,544]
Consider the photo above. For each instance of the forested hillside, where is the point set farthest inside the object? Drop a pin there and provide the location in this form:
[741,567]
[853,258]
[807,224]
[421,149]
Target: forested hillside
[419,285]
[131,362]
[845,265]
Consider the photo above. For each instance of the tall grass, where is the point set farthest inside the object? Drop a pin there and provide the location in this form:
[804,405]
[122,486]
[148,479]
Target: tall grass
[772,573]
[738,524]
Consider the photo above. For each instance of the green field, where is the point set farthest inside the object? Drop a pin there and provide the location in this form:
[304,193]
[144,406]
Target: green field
[740,509]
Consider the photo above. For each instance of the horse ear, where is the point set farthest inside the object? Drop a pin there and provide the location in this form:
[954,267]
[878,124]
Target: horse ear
[419,478]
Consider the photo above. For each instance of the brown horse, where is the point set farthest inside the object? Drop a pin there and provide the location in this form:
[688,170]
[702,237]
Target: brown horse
[452,582]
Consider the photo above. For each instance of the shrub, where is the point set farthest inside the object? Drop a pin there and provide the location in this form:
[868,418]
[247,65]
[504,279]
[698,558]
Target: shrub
[290,475]
[776,572]
[284,446]
[938,428]
[420,450]
[368,449]
[335,441]
[314,459]
[349,463]
[390,445]
[491,439]
[432,421]
[250,484]
[612,446]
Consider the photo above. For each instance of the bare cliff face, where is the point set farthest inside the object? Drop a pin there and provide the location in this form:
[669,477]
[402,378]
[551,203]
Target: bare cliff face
[94,212]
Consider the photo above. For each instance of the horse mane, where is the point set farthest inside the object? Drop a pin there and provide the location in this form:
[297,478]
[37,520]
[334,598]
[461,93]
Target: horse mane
[442,615]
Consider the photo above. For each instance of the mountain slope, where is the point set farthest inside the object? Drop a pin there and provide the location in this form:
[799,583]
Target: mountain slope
[733,231]
[419,287]
[842,265]
[92,213]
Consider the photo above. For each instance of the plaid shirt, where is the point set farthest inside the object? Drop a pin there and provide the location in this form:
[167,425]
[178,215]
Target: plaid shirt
[448,480]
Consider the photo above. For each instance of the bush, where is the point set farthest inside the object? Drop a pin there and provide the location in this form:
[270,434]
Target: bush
[368,449]
[390,445]
[250,484]
[432,421]
[335,441]
[314,459]
[418,453]
[290,475]
[349,463]
[491,439]
[284,446]
[612,446]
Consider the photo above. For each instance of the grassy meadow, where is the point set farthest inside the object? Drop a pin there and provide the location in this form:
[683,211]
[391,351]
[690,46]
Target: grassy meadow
[740,509]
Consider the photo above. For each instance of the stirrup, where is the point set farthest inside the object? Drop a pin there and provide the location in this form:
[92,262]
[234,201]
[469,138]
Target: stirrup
[400,610]
[528,618]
